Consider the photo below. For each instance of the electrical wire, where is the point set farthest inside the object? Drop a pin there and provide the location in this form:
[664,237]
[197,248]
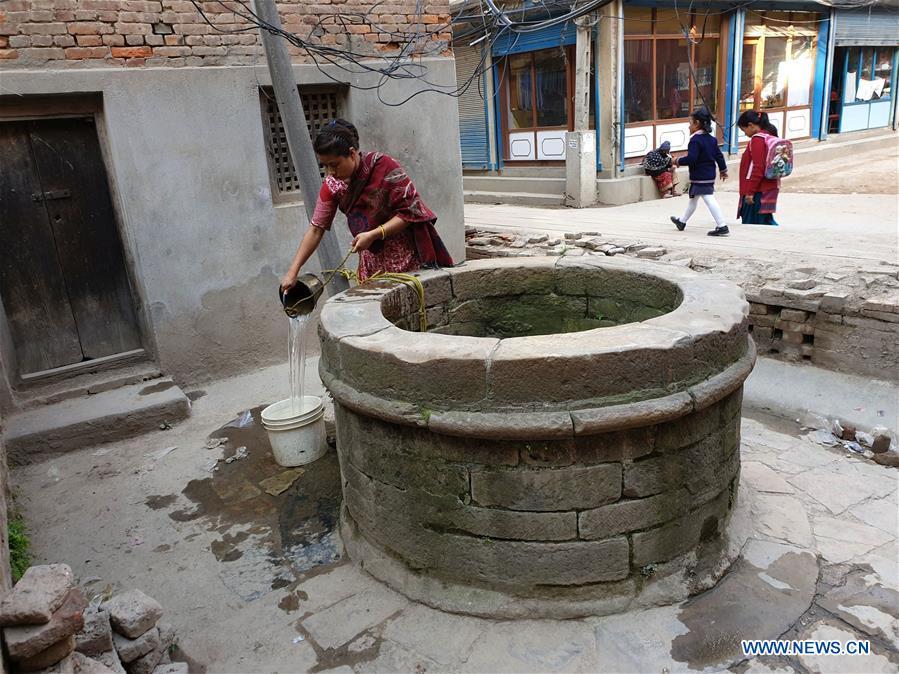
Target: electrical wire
[346,64]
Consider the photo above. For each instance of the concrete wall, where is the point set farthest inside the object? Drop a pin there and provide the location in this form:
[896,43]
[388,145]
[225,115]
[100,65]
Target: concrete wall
[186,158]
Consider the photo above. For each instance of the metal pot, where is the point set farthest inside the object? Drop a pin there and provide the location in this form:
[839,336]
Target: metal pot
[302,298]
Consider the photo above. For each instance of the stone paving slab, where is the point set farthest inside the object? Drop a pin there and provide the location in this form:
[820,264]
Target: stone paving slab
[840,540]
[416,627]
[839,490]
[339,623]
[535,646]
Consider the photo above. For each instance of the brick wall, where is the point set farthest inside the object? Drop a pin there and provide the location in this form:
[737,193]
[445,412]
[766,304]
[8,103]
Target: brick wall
[110,33]
[860,337]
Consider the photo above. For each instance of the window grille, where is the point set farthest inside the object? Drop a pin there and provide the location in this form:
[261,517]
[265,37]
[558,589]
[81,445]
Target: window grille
[320,107]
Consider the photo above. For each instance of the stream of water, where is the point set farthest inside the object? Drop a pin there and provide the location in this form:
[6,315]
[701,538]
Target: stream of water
[296,351]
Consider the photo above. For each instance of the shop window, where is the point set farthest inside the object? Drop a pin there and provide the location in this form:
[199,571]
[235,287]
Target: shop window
[774,73]
[638,81]
[705,67]
[802,63]
[672,79]
[666,74]
[851,86]
[537,89]
[778,61]
[551,87]
[521,92]
[867,68]
[884,70]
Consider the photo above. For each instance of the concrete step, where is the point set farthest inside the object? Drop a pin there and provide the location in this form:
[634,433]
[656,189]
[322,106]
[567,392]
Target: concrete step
[88,381]
[526,184]
[512,171]
[124,412]
[517,198]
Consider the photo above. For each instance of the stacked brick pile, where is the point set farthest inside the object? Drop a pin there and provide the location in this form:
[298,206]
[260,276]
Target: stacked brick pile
[789,333]
[53,33]
[49,627]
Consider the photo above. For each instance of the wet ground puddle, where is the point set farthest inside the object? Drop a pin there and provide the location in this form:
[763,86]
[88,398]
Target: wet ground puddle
[275,525]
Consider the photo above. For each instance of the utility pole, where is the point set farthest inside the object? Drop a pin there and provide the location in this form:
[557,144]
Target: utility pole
[580,151]
[287,96]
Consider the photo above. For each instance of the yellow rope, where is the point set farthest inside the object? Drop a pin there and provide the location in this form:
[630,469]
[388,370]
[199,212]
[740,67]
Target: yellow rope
[408,280]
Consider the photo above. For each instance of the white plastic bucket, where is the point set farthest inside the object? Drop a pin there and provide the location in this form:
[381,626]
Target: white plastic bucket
[296,439]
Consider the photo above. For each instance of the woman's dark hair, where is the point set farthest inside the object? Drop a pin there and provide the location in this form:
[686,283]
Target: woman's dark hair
[760,119]
[337,138]
[704,117]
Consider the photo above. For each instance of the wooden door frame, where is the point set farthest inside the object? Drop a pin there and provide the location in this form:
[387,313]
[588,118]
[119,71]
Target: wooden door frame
[43,107]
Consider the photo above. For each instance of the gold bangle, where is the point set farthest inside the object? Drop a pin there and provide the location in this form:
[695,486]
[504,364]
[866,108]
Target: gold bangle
[383,232]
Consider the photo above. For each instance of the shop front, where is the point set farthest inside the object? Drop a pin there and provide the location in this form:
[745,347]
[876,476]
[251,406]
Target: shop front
[673,63]
[865,61]
[535,83]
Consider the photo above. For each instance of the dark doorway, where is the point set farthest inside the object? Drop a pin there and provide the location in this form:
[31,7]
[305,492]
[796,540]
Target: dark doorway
[63,280]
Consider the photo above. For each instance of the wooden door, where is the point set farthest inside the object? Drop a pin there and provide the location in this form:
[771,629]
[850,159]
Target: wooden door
[63,282]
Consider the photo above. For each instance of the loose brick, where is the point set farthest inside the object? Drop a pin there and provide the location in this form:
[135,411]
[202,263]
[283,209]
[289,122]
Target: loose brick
[132,649]
[41,54]
[78,53]
[794,315]
[49,656]
[27,641]
[89,40]
[132,613]
[95,636]
[40,591]
[131,52]
[171,51]
[42,28]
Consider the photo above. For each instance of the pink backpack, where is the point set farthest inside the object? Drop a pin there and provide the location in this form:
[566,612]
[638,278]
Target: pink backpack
[778,156]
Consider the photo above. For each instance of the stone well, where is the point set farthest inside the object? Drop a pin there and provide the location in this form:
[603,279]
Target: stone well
[563,441]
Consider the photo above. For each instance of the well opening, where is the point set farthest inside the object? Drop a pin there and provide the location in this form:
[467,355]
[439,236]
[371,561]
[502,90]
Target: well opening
[539,302]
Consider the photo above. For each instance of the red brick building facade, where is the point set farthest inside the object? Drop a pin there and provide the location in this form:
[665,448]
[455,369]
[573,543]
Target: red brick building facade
[172,33]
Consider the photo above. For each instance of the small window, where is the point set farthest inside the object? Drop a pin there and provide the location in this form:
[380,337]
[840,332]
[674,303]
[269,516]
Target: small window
[320,106]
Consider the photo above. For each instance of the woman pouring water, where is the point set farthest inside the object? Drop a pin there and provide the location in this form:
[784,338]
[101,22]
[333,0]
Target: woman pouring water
[393,230]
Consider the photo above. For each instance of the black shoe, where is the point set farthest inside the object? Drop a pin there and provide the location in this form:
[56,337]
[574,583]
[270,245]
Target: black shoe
[678,223]
[720,231]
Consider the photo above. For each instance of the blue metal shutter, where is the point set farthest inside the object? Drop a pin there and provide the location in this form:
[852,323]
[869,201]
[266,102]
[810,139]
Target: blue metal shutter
[554,36]
[867,28]
[472,114]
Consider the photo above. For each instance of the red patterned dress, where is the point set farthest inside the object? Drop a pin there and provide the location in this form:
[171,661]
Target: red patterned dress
[378,190]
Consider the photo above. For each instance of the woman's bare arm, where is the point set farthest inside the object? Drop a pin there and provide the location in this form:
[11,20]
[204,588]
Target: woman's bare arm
[308,246]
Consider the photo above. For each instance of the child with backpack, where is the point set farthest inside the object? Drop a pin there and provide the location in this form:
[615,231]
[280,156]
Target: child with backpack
[703,154]
[765,161]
